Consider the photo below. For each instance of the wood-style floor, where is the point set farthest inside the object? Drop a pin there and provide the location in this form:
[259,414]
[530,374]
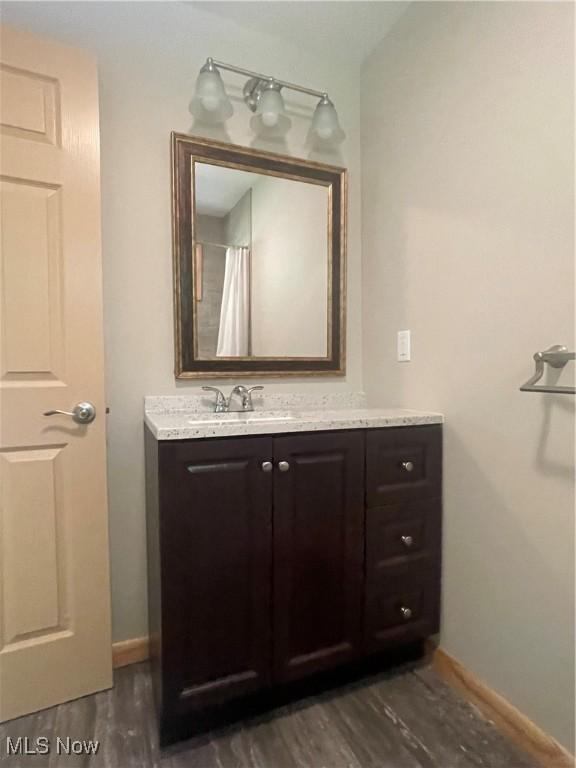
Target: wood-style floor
[405,718]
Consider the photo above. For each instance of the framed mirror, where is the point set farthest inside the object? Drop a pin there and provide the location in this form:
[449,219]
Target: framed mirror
[259,262]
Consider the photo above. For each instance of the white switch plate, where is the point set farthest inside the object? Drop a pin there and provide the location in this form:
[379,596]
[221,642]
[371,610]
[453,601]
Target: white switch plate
[403,346]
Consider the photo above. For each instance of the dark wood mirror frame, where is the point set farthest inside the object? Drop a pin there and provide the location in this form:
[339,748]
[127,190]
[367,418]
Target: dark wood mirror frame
[185,150]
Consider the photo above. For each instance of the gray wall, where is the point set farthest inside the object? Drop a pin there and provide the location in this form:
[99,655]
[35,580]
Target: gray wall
[468,221]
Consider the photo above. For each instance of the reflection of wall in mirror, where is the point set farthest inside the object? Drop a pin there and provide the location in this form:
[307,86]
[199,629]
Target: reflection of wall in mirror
[289,268]
[238,222]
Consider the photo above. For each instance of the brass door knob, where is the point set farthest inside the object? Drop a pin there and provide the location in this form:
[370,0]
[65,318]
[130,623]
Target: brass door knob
[267,466]
[283,466]
[407,466]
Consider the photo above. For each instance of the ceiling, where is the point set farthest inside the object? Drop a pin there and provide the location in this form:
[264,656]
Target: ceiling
[219,189]
[346,29]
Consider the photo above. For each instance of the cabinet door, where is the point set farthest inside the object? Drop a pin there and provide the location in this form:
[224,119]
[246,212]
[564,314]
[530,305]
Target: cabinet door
[318,551]
[216,536]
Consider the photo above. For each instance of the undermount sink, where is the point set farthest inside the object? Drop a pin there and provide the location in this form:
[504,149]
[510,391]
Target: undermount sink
[241,417]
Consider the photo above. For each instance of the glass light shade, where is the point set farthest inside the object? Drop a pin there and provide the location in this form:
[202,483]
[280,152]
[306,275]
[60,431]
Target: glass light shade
[325,125]
[270,107]
[270,118]
[210,103]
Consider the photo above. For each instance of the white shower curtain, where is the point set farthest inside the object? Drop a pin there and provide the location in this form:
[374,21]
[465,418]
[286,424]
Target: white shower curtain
[235,310]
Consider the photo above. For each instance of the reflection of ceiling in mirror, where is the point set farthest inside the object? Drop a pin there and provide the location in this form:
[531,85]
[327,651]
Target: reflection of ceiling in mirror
[218,189]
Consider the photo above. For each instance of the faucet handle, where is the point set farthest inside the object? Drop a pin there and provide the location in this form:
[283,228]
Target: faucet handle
[220,399]
[249,391]
[246,395]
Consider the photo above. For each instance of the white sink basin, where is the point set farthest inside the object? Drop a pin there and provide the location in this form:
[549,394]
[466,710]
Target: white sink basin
[239,417]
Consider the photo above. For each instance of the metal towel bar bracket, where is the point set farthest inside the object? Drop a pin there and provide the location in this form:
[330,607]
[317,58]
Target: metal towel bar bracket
[557,356]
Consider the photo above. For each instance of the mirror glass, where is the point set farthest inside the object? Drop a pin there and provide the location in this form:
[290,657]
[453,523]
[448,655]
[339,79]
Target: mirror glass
[261,262]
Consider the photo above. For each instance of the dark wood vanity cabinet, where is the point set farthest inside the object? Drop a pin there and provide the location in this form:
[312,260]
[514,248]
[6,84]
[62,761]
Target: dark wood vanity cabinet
[272,559]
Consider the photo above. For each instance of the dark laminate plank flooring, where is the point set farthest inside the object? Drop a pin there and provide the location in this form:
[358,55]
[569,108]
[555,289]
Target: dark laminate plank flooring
[405,718]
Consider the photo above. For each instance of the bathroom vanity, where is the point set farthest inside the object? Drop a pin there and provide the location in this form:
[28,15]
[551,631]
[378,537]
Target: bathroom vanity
[283,544]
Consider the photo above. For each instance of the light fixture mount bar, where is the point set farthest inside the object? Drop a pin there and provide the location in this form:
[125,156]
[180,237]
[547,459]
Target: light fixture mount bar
[260,76]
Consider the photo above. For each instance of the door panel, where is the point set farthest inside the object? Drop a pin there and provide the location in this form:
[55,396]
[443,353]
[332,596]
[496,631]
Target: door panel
[318,551]
[216,554]
[30,107]
[54,584]
[31,281]
[31,523]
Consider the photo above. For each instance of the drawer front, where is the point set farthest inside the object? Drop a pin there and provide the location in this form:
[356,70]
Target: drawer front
[402,604]
[407,532]
[403,464]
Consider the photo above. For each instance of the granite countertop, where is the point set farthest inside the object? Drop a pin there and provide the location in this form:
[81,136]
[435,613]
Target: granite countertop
[191,416]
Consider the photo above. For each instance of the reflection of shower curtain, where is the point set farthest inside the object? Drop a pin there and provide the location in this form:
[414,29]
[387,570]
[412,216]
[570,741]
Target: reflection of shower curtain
[234,312]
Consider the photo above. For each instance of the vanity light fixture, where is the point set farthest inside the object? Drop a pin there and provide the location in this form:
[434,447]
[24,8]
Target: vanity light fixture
[263,96]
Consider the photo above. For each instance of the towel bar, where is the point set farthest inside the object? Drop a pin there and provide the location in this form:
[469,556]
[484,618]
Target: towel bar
[557,356]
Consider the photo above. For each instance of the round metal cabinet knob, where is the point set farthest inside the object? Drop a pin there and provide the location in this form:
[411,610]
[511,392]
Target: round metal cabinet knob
[267,466]
[407,466]
[283,466]
[406,613]
[407,541]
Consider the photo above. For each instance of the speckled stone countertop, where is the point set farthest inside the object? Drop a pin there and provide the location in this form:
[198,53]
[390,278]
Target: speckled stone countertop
[186,417]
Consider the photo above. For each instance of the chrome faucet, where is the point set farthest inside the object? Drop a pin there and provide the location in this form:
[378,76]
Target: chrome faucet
[222,404]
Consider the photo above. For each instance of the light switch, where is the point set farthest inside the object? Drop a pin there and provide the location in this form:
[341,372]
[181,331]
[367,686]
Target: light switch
[403,346]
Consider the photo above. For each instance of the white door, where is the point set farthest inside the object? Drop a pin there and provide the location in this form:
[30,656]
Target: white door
[54,582]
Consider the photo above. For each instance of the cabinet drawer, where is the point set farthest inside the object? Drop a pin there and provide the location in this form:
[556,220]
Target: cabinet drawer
[409,531]
[403,464]
[402,604]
